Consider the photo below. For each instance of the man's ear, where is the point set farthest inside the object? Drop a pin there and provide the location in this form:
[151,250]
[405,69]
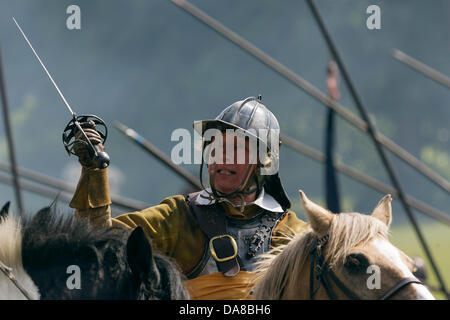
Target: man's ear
[140,257]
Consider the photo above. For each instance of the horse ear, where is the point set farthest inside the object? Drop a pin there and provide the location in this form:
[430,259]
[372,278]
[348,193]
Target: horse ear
[319,217]
[383,210]
[41,219]
[140,256]
[44,213]
[4,211]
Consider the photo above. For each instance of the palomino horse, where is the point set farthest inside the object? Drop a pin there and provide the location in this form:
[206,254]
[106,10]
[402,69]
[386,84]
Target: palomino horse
[112,263]
[341,256]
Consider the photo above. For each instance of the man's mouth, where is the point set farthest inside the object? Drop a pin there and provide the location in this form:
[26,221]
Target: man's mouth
[226,172]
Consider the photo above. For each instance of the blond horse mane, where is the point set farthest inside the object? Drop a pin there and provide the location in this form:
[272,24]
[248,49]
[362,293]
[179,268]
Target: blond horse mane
[11,256]
[282,265]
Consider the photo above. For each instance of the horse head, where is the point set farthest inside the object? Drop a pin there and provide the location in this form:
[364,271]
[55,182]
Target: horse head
[157,276]
[341,256]
[68,258]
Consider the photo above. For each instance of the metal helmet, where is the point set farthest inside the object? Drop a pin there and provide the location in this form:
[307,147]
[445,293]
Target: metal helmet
[255,120]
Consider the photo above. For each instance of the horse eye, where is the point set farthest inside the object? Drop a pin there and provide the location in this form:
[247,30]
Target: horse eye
[356,262]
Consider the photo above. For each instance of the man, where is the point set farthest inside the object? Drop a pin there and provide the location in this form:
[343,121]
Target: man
[216,234]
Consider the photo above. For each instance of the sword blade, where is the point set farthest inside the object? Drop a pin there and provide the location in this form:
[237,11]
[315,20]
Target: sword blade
[45,69]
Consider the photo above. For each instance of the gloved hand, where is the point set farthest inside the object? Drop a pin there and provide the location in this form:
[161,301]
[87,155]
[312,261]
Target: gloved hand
[81,147]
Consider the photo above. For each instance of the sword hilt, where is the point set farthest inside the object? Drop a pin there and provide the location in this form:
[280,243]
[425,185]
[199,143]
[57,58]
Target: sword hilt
[99,158]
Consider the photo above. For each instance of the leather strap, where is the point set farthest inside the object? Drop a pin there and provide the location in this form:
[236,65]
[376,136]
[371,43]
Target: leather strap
[213,222]
[194,273]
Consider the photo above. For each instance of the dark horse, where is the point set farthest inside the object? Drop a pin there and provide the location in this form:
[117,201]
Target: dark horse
[67,258]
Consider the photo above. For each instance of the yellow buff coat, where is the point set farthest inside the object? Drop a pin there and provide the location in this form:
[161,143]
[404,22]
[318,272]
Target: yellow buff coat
[174,232]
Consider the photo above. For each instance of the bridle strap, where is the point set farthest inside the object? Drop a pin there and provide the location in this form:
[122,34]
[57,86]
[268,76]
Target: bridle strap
[402,283]
[10,275]
[343,288]
[312,290]
[322,271]
[327,286]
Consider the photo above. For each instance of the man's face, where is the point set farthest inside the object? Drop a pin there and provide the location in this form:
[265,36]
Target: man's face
[229,174]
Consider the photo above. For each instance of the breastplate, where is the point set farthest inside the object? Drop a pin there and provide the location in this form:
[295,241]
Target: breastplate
[252,236]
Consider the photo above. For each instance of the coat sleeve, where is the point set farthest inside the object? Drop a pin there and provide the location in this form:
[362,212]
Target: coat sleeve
[170,225]
[163,223]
